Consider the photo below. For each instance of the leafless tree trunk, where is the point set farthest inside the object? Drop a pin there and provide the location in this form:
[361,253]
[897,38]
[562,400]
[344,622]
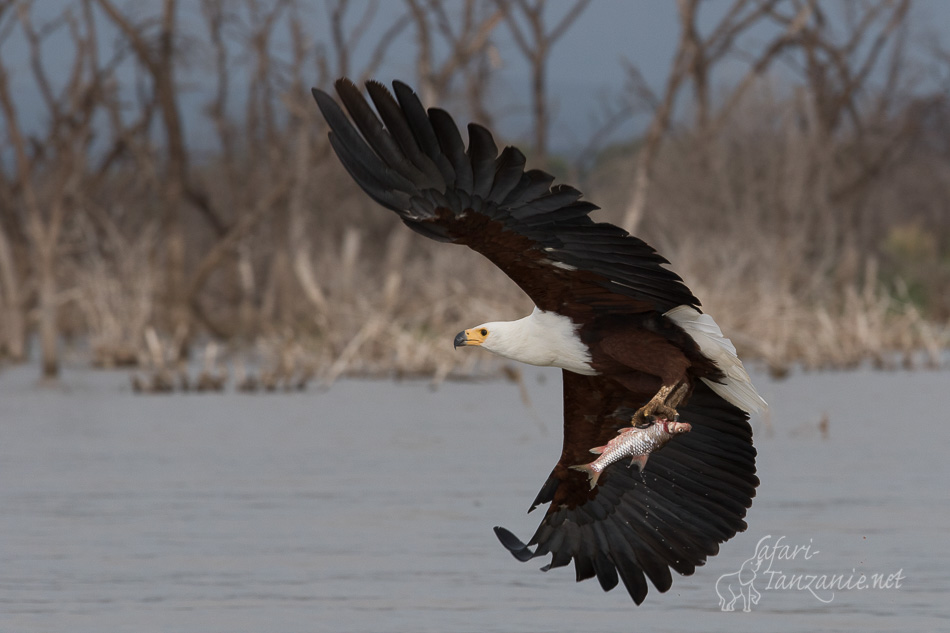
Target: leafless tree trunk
[838,64]
[305,163]
[346,41]
[12,304]
[468,39]
[12,321]
[693,62]
[47,174]
[158,59]
[537,50]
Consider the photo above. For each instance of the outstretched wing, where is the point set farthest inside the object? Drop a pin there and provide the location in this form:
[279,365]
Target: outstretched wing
[692,495]
[414,162]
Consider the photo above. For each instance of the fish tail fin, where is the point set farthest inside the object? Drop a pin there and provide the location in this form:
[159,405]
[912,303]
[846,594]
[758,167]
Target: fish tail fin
[588,469]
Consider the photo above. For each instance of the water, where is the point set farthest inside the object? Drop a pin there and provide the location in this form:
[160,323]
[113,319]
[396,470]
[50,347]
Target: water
[370,507]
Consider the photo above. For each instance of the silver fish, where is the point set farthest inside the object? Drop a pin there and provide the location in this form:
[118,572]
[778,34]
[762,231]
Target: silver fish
[636,442]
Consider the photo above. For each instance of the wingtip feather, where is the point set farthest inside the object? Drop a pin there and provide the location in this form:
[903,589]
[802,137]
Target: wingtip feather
[513,544]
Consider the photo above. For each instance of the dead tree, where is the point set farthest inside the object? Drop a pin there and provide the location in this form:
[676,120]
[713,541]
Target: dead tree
[48,171]
[158,57]
[856,125]
[345,39]
[307,156]
[535,43]
[12,273]
[695,57]
[468,38]
[838,72]
[12,304]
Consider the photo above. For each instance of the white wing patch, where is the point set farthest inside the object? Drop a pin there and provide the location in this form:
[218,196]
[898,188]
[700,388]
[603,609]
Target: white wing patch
[737,387]
[556,263]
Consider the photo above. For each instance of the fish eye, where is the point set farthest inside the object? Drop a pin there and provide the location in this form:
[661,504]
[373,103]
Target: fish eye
[483,332]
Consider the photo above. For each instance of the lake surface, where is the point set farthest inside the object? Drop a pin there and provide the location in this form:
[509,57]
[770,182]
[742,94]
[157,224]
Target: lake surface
[369,507]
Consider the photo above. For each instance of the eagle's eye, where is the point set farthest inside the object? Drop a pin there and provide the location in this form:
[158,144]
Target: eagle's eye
[483,332]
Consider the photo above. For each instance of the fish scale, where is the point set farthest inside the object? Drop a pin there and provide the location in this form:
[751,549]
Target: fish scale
[636,442]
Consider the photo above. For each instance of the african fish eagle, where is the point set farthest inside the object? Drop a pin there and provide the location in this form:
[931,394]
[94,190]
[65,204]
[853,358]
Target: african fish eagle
[627,333]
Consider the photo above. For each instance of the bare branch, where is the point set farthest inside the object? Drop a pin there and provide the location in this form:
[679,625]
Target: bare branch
[520,39]
[161,67]
[385,41]
[566,21]
[36,60]
[467,47]
[643,171]
[537,53]
[789,37]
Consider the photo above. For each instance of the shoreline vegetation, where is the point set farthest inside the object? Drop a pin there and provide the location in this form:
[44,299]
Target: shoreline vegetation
[805,202]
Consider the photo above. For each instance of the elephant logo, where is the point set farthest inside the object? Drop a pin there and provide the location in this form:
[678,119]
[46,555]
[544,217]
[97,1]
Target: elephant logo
[740,584]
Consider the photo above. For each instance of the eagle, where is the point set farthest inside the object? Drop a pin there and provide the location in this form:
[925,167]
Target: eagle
[632,343]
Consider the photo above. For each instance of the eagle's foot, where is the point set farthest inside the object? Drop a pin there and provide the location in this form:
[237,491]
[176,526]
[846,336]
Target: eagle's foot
[662,406]
[656,409]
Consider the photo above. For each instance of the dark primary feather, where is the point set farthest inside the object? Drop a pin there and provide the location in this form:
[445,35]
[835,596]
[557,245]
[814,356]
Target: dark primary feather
[395,121]
[541,236]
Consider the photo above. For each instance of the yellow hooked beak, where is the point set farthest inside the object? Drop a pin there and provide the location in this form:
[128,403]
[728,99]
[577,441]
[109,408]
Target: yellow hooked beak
[474,336]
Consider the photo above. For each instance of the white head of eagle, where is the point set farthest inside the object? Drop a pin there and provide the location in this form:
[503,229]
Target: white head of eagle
[546,339]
